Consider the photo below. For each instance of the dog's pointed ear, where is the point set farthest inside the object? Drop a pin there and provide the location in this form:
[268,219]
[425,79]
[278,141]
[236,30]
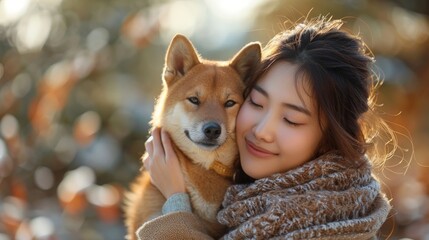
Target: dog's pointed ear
[180,58]
[247,60]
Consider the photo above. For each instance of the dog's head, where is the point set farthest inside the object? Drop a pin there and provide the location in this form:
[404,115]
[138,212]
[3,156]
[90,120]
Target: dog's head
[200,100]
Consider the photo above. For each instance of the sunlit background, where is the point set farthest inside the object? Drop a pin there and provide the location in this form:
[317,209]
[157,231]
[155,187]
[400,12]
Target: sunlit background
[78,81]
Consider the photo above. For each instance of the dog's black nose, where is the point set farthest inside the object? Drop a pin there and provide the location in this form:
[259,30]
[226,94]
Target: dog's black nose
[212,130]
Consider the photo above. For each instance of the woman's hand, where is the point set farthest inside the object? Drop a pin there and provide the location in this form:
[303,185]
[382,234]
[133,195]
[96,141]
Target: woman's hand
[162,164]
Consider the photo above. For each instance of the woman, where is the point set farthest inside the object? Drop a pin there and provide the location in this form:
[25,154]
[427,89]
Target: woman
[304,169]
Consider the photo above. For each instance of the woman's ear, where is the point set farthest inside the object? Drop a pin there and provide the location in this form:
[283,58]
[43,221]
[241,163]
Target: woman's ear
[180,58]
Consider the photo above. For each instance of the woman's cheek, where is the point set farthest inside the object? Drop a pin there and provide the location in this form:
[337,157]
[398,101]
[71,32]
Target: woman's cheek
[244,116]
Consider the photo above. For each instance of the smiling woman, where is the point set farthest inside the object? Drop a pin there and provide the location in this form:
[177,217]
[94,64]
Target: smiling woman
[279,128]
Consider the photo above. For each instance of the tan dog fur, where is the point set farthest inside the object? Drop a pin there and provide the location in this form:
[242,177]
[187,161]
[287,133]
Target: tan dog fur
[215,84]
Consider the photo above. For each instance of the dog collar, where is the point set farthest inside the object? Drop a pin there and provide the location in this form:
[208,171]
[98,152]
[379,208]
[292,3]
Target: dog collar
[221,169]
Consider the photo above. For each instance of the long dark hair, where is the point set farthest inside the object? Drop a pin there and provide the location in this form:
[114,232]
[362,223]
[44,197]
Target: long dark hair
[338,68]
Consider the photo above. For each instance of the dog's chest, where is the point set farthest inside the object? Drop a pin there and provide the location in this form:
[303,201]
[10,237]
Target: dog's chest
[206,190]
[205,209]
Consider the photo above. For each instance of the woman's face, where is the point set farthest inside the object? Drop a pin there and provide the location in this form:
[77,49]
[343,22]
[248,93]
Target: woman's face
[277,130]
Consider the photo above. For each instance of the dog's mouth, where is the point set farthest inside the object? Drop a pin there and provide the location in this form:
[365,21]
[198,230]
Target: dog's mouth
[205,143]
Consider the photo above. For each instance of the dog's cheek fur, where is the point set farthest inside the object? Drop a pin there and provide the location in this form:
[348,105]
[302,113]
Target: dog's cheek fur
[173,122]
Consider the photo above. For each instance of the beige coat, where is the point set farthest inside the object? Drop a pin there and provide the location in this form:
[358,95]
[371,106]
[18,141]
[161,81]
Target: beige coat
[185,225]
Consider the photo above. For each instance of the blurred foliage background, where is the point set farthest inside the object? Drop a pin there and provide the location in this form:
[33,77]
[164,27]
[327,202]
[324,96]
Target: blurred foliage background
[78,81]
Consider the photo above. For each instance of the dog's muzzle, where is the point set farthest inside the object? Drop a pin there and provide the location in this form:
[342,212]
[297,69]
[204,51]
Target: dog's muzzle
[207,136]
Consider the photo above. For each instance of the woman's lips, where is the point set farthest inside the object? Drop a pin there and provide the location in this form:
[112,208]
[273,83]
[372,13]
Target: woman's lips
[258,151]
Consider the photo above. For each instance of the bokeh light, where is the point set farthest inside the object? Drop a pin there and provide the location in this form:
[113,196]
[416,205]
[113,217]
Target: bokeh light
[12,10]
[42,228]
[33,31]
[44,178]
[9,126]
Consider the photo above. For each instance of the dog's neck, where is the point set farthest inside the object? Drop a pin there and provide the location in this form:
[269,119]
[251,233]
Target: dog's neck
[216,166]
[221,169]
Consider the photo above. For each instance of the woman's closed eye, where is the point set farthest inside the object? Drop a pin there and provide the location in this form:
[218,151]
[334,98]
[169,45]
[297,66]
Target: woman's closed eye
[289,122]
[254,103]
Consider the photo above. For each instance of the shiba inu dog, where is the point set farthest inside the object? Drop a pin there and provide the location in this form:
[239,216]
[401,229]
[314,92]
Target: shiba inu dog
[197,107]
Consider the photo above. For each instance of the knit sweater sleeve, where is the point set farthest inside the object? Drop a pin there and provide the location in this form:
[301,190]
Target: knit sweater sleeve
[178,202]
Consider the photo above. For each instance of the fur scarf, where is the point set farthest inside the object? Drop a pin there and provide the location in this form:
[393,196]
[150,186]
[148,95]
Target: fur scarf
[322,199]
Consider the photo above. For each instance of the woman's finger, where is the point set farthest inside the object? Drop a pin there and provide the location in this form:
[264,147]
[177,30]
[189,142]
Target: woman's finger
[146,161]
[165,173]
[149,146]
[168,148]
[158,149]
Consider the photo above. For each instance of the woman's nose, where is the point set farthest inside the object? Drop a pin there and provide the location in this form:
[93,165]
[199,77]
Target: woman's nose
[264,129]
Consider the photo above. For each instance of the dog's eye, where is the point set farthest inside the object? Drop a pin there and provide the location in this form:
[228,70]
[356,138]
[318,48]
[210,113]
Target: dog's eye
[194,100]
[229,103]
